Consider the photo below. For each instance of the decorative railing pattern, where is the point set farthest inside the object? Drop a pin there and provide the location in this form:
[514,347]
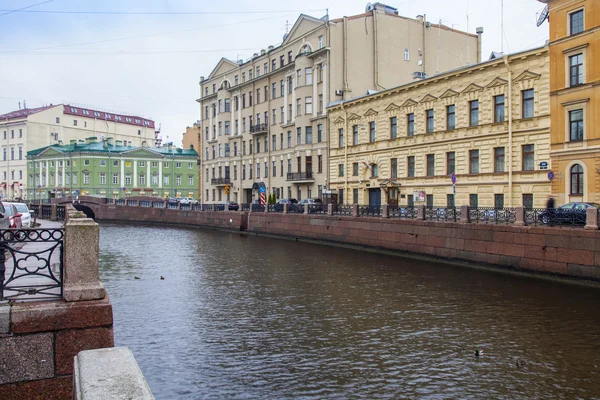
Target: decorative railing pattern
[120,202]
[258,208]
[492,215]
[317,208]
[46,211]
[60,213]
[342,209]
[275,208]
[158,204]
[31,264]
[402,212]
[442,214]
[369,211]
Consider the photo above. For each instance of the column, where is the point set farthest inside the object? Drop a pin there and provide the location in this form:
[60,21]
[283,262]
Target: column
[47,173]
[56,174]
[294,101]
[41,169]
[324,87]
[315,98]
[148,177]
[64,175]
[134,173]
[285,101]
[160,177]
[122,173]
[239,116]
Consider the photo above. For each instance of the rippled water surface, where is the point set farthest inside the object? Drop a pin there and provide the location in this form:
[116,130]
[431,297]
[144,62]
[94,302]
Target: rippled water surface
[243,317]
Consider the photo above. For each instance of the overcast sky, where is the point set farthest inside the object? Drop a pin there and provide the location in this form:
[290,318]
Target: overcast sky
[145,57]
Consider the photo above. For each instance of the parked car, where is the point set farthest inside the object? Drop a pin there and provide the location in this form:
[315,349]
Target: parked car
[232,205]
[26,219]
[288,201]
[570,213]
[14,216]
[4,220]
[315,203]
[292,204]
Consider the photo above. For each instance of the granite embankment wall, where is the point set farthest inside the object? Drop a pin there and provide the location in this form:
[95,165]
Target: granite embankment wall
[566,251]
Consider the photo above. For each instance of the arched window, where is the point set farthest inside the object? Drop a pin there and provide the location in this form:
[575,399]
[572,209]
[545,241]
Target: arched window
[576,180]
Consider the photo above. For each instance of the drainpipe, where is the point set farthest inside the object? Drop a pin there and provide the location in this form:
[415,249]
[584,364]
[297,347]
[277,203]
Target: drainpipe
[510,136]
[345,153]
[424,45]
[375,52]
[345,61]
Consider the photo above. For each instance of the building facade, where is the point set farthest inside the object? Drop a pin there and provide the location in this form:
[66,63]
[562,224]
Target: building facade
[32,128]
[575,99]
[487,125]
[191,138]
[104,169]
[264,121]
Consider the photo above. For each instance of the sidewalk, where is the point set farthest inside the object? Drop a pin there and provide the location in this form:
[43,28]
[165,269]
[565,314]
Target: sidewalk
[41,258]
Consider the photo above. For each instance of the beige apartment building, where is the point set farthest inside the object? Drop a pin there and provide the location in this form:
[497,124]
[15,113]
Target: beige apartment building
[31,128]
[264,120]
[487,124]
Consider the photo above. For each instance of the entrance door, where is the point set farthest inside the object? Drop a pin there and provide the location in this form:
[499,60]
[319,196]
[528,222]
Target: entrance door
[375,197]
[392,197]
[248,196]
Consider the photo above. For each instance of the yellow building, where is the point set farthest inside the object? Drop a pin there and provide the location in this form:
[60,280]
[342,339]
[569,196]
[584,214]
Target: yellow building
[574,99]
[489,124]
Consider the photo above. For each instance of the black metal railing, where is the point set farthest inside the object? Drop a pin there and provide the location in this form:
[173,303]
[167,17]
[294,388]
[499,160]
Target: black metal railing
[258,208]
[187,206]
[31,264]
[158,204]
[46,211]
[245,206]
[259,128]
[369,211]
[343,209]
[299,176]
[402,212]
[219,207]
[207,207]
[295,208]
[173,206]
[60,213]
[276,208]
[451,214]
[145,203]
[317,209]
[120,202]
[492,215]
[197,207]
[555,217]
[220,181]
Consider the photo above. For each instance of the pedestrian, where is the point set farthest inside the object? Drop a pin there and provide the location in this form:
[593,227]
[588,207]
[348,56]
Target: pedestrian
[550,209]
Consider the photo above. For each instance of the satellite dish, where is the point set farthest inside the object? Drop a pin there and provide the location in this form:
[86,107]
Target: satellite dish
[368,7]
[543,16]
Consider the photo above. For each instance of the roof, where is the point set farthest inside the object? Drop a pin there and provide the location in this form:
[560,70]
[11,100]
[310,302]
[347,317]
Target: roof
[25,112]
[119,118]
[98,147]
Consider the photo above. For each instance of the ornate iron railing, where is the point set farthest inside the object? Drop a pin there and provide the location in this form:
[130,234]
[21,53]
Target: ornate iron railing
[343,209]
[120,202]
[133,203]
[258,208]
[245,207]
[299,176]
[187,206]
[145,203]
[60,213]
[219,207]
[207,207]
[555,217]
[369,211]
[443,214]
[402,212]
[158,204]
[317,209]
[197,207]
[275,208]
[173,206]
[46,211]
[31,264]
[482,215]
[295,208]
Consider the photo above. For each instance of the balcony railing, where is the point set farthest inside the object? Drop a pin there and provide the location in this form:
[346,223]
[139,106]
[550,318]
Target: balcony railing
[300,176]
[259,128]
[220,181]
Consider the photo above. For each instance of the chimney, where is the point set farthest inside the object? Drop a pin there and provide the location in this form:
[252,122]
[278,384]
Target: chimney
[60,142]
[109,141]
[263,52]
[91,139]
[420,18]
[191,147]
[479,31]
[105,143]
[72,141]
[271,48]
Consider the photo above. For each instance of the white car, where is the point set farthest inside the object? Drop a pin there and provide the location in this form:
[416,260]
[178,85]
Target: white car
[26,219]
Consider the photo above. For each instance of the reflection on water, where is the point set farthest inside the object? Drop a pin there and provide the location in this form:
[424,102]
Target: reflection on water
[250,317]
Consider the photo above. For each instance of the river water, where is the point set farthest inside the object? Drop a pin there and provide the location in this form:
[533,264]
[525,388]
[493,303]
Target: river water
[245,317]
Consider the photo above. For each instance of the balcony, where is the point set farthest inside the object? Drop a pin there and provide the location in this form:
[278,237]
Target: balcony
[300,176]
[220,181]
[259,128]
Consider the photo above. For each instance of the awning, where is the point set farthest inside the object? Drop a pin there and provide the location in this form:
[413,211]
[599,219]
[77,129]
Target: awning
[258,185]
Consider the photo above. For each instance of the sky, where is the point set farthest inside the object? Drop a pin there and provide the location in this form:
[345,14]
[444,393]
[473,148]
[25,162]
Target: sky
[145,57]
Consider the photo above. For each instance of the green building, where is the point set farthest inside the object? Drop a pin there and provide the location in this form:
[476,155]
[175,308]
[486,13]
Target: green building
[104,169]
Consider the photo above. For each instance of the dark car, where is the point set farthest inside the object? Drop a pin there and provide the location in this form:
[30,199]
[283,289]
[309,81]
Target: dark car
[4,220]
[570,213]
[232,206]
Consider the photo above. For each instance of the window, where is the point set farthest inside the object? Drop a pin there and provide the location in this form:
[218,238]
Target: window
[473,161]
[257,96]
[576,125]
[227,127]
[319,133]
[411,166]
[576,22]
[308,135]
[103,178]
[341,137]
[355,169]
[58,120]
[142,179]
[227,105]
[474,113]
[298,107]
[499,108]
[298,136]
[450,117]
[298,76]
[374,171]
[178,180]
[190,180]
[308,76]
[86,179]
[430,165]
[450,202]
[289,139]
[372,132]
[528,157]
[430,122]
[308,105]
[115,179]
[20,132]
[355,135]
[429,201]
[86,162]
[450,162]
[341,170]
[498,201]
[321,41]
[178,165]
[499,159]
[473,201]
[576,69]
[394,168]
[527,96]
[354,196]
[274,144]
[12,154]
[166,179]
[528,201]
[393,127]
[290,57]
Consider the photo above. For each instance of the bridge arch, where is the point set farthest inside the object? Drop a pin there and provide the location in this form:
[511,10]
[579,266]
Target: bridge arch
[86,210]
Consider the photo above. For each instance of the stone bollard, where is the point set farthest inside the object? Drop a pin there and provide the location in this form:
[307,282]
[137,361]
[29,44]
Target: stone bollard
[53,213]
[330,209]
[591,218]
[81,253]
[285,208]
[519,216]
[464,215]
[420,213]
[385,212]
[355,210]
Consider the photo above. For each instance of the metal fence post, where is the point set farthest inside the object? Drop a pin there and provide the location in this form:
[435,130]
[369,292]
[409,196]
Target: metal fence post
[2,267]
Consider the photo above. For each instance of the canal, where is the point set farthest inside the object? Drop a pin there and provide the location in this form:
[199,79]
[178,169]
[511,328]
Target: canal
[245,317]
